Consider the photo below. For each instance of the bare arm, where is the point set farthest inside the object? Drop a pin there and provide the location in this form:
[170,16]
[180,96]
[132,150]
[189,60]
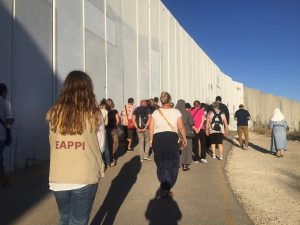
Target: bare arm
[182,131]
[226,126]
[117,119]
[151,130]
[207,127]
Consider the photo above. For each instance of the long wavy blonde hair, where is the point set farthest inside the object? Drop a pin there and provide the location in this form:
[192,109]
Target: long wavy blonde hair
[75,106]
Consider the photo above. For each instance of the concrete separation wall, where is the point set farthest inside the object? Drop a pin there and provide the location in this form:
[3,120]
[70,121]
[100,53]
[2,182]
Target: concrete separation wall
[262,105]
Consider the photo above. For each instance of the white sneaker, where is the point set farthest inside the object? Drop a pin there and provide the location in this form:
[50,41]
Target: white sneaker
[142,160]
[203,160]
[221,158]
[149,159]
[196,161]
[214,156]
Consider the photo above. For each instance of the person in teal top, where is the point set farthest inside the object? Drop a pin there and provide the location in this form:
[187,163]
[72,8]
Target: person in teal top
[278,126]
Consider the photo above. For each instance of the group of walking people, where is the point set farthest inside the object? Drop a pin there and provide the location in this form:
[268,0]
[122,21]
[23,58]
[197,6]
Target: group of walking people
[84,139]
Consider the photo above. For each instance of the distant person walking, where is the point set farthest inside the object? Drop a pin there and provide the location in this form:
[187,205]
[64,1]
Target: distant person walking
[141,120]
[104,111]
[242,116]
[278,126]
[112,131]
[155,102]
[188,122]
[127,122]
[216,128]
[6,120]
[164,138]
[75,160]
[223,108]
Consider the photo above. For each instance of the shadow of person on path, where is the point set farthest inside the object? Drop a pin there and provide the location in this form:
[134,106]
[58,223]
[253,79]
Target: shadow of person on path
[117,193]
[231,141]
[163,211]
[260,149]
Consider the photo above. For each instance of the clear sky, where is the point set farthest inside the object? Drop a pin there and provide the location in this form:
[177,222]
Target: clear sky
[256,42]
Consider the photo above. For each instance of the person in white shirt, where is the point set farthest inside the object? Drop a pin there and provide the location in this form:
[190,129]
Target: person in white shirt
[165,123]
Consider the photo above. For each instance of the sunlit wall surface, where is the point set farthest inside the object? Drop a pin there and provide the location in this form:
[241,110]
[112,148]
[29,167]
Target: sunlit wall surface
[130,48]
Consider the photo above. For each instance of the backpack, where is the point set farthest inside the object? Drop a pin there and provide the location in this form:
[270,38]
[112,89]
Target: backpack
[142,118]
[217,122]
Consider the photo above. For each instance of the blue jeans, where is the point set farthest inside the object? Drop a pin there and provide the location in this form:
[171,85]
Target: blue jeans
[75,205]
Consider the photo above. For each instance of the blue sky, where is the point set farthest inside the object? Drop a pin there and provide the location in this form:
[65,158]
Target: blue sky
[256,42]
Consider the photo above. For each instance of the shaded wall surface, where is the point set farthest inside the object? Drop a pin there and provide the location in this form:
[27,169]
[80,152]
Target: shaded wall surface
[262,105]
[130,48]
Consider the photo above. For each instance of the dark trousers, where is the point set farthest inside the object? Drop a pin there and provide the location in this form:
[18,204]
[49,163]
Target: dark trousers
[202,137]
[196,147]
[167,172]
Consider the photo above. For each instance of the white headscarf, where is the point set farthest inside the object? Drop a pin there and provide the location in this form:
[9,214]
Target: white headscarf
[277,115]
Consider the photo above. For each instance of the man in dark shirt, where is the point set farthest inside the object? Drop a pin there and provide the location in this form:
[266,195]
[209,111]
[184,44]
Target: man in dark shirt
[223,108]
[242,116]
[141,120]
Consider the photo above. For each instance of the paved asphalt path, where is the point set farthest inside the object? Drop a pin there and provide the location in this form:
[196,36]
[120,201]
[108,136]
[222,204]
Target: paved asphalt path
[126,196]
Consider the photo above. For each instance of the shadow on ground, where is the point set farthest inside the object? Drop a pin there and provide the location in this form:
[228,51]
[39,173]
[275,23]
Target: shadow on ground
[28,186]
[163,211]
[252,145]
[120,187]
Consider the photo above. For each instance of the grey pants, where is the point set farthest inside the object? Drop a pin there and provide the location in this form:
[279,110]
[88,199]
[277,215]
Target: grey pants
[143,145]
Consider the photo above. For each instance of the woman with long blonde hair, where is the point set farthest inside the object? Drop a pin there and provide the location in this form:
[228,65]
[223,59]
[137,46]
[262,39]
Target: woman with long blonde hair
[75,158]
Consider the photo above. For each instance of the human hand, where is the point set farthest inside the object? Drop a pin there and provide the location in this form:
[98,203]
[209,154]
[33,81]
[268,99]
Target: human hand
[184,143]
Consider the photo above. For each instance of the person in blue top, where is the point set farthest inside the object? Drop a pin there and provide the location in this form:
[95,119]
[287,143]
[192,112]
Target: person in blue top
[278,126]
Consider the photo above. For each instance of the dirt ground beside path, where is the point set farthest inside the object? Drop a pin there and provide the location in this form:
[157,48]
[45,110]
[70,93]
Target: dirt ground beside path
[267,187]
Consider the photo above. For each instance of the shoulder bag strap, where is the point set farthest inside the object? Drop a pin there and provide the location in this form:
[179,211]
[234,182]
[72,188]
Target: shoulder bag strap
[163,116]
[195,113]
[126,112]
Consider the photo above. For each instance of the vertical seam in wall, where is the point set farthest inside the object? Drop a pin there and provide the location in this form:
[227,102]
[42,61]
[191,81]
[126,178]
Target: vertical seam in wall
[83,32]
[53,51]
[150,61]
[137,50]
[169,86]
[13,147]
[187,70]
[181,72]
[122,23]
[159,37]
[105,47]
[175,66]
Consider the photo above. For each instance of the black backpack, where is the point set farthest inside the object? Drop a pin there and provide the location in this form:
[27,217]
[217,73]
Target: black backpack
[142,118]
[217,122]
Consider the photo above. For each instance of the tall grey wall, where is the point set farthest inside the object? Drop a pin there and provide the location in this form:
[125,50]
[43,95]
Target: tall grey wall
[262,105]
[130,48]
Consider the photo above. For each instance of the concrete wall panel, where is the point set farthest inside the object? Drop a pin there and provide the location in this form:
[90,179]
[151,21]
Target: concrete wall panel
[172,59]
[130,54]
[143,49]
[155,48]
[115,63]
[32,80]
[95,59]
[69,39]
